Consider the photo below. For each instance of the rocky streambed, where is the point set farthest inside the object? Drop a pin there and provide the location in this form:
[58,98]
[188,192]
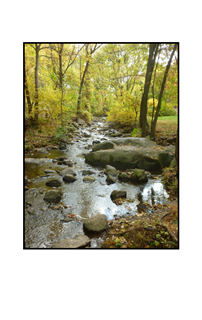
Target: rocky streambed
[75,188]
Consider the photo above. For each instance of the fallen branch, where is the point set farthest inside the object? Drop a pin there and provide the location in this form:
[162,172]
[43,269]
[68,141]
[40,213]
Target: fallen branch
[166,214]
[170,233]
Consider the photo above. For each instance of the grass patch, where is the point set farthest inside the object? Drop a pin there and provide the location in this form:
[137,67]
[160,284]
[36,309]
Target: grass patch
[168,118]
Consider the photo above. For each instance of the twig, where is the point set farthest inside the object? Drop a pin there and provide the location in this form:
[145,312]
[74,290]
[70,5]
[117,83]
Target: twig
[170,233]
[166,214]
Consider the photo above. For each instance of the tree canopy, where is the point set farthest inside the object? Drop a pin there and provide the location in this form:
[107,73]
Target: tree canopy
[124,81]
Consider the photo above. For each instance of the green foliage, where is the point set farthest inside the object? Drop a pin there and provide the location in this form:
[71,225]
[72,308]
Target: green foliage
[167,110]
[118,242]
[59,132]
[136,132]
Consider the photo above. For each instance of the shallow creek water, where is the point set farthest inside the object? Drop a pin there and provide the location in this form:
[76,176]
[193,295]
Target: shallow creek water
[43,225]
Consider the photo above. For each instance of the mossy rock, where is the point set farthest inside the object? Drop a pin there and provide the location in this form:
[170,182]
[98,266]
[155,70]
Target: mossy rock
[88,179]
[69,178]
[139,175]
[53,196]
[53,183]
[165,159]
[122,159]
[123,177]
[103,146]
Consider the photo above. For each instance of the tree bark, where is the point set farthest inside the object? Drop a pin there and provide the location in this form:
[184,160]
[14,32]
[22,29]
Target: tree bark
[153,48]
[61,82]
[28,95]
[177,151]
[80,89]
[36,104]
[89,53]
[153,124]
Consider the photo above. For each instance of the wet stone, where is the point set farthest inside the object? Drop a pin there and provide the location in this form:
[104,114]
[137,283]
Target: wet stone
[88,179]
[110,179]
[53,196]
[66,220]
[49,171]
[77,242]
[139,175]
[87,172]
[118,194]
[67,171]
[110,170]
[69,178]
[95,224]
[123,177]
[53,183]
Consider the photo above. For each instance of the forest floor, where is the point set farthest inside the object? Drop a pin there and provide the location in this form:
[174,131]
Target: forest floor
[157,229]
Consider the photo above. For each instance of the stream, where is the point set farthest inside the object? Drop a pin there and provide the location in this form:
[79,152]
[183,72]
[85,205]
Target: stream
[42,220]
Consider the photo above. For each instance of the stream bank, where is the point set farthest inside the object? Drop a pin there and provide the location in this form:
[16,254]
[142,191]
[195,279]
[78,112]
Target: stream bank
[48,223]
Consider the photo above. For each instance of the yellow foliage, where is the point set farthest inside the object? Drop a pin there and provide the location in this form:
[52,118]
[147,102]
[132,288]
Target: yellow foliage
[122,116]
[125,110]
[150,102]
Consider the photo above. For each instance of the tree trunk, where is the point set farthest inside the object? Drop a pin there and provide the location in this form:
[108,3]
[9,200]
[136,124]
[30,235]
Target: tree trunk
[29,103]
[150,66]
[36,105]
[153,124]
[80,89]
[27,94]
[61,83]
[177,151]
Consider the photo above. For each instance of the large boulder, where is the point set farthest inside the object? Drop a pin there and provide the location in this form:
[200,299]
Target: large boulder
[118,194]
[140,153]
[103,146]
[53,183]
[139,175]
[79,241]
[136,142]
[53,196]
[95,224]
[110,170]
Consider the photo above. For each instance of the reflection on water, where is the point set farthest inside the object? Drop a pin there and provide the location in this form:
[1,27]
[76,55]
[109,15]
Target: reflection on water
[42,221]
